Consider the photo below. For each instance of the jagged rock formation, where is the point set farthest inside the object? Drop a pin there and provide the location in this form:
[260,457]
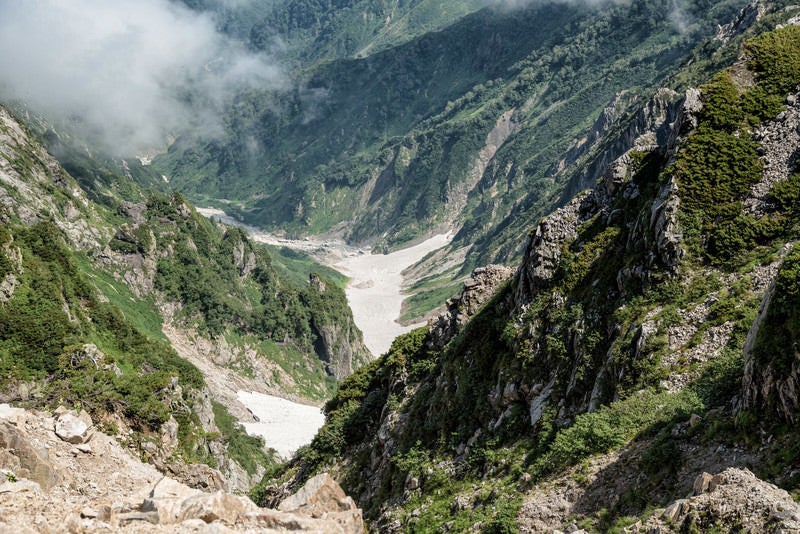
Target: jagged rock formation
[600,378]
[52,485]
[478,288]
[771,381]
[734,498]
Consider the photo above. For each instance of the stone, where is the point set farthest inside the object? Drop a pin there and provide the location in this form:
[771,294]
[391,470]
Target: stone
[165,498]
[275,521]
[19,486]
[169,436]
[217,506]
[733,497]
[88,513]
[319,495]
[12,414]
[73,428]
[29,462]
[702,483]
[673,511]
[131,517]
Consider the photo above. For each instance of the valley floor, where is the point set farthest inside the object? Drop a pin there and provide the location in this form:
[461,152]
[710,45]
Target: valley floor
[375,292]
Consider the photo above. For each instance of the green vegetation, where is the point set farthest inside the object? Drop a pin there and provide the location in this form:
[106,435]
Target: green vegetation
[719,163]
[776,344]
[247,451]
[587,363]
[229,287]
[381,142]
[297,267]
[54,312]
[422,302]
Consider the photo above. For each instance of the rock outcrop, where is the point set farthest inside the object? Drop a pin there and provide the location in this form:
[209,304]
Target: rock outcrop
[55,486]
[478,288]
[734,500]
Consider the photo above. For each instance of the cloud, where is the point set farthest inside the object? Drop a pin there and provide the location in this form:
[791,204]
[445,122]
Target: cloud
[127,72]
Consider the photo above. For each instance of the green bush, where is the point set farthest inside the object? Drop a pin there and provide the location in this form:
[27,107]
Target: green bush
[722,108]
[787,193]
[715,170]
[612,426]
[775,56]
[248,451]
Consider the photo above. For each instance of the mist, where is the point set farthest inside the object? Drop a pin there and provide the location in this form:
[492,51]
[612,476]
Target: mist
[124,73]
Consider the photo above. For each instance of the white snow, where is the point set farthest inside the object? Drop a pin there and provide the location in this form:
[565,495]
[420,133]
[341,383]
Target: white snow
[375,290]
[285,425]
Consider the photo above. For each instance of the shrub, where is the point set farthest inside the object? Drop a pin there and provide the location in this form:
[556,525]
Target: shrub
[715,170]
[775,56]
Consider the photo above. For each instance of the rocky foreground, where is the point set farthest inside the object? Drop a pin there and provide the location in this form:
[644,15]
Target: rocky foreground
[60,474]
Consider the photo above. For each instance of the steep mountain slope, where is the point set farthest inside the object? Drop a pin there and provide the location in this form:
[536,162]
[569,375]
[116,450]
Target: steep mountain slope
[627,355]
[467,126]
[87,291]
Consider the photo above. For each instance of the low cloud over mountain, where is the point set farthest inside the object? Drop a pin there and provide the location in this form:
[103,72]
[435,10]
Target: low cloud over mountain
[127,72]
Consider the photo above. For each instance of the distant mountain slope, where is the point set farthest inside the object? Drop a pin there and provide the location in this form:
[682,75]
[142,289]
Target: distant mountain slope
[87,287]
[462,126]
[648,337]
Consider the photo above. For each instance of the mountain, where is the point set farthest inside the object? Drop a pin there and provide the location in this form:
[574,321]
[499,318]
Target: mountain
[479,126]
[638,371]
[98,297]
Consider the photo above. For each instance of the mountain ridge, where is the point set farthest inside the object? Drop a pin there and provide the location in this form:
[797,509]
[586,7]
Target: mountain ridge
[623,351]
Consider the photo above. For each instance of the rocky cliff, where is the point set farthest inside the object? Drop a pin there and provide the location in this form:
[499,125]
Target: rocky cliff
[614,367]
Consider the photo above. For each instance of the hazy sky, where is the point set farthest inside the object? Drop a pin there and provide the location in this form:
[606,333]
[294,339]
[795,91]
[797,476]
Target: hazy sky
[123,68]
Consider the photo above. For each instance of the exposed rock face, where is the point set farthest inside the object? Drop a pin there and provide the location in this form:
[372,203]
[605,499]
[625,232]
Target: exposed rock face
[766,384]
[648,128]
[778,140]
[659,127]
[322,497]
[544,248]
[101,487]
[734,499]
[339,343]
[664,224]
[21,457]
[20,187]
[481,285]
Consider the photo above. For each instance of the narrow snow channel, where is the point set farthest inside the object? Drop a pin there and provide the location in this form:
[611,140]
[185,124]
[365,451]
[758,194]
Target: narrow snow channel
[375,295]
[375,291]
[285,425]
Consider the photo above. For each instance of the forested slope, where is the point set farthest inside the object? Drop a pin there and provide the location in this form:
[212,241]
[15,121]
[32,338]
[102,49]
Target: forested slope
[487,113]
[86,289]
[647,337]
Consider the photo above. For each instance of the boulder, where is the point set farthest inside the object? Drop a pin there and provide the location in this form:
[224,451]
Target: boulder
[319,495]
[165,500]
[217,506]
[12,414]
[24,459]
[276,521]
[73,428]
